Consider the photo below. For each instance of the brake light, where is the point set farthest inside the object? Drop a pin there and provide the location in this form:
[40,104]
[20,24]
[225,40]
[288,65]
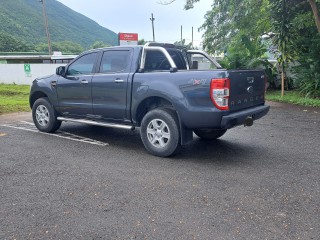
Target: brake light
[220,92]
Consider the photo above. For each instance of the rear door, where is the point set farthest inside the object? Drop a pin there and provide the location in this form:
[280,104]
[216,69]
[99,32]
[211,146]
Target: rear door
[109,85]
[247,88]
[74,89]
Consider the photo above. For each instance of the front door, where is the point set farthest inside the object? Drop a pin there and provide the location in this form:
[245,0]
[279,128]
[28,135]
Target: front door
[109,85]
[74,89]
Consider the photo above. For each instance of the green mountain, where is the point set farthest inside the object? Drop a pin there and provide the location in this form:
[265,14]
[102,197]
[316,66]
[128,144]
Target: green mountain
[23,20]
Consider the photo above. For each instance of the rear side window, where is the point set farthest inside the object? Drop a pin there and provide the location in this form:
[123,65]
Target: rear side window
[157,61]
[83,65]
[114,61]
[178,58]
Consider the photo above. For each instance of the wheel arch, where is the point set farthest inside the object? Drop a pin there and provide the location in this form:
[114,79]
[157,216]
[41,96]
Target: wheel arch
[35,96]
[160,102]
[148,104]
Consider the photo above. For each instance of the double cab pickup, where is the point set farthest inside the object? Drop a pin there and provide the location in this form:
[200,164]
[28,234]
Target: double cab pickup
[166,91]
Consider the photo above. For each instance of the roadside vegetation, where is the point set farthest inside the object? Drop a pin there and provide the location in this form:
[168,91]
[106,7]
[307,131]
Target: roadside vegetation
[250,32]
[293,97]
[14,98]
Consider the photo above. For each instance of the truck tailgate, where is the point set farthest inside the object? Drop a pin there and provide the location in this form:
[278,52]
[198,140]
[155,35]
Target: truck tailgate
[247,89]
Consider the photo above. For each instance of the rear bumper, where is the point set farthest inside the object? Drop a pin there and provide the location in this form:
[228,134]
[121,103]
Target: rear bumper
[238,118]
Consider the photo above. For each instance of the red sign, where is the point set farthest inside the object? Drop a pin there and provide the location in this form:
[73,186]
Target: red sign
[128,36]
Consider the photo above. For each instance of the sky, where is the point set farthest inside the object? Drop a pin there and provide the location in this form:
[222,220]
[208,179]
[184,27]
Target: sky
[133,16]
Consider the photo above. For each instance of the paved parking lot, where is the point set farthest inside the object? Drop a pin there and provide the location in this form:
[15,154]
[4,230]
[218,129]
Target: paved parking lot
[89,182]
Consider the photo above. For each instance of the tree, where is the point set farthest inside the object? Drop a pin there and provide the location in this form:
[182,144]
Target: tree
[315,12]
[9,43]
[141,42]
[297,38]
[284,35]
[307,72]
[183,44]
[230,19]
[64,47]
[236,27]
[189,3]
[99,44]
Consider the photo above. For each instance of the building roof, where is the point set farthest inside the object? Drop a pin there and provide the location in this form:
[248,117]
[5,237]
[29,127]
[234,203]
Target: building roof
[33,56]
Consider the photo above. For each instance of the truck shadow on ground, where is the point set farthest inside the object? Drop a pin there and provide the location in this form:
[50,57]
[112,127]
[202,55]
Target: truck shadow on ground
[220,150]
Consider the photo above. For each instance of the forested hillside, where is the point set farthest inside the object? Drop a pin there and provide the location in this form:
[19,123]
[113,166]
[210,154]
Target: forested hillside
[22,22]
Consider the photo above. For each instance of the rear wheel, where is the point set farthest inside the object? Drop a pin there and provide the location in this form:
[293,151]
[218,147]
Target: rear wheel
[160,132]
[44,116]
[209,134]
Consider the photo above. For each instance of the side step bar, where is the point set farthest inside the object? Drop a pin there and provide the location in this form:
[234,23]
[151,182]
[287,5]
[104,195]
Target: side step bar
[102,124]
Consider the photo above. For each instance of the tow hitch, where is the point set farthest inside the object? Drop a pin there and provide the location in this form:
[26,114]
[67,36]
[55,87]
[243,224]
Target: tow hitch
[248,122]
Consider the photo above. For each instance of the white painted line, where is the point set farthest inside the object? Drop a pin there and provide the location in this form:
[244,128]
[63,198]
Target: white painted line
[59,134]
[29,123]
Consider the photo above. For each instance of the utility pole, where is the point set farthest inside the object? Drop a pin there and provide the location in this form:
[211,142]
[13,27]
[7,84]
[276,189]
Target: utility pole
[192,38]
[46,25]
[152,20]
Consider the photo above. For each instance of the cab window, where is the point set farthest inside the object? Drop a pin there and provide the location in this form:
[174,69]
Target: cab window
[114,61]
[83,65]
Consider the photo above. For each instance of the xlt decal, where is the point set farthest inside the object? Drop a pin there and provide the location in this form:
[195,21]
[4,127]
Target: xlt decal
[198,81]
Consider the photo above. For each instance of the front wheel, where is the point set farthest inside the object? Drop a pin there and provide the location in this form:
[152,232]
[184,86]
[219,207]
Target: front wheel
[160,132]
[44,116]
[209,134]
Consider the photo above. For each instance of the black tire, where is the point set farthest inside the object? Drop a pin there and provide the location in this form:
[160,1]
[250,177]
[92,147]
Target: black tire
[209,134]
[160,133]
[44,116]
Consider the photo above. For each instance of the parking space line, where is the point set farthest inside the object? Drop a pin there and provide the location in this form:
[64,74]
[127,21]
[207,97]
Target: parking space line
[59,134]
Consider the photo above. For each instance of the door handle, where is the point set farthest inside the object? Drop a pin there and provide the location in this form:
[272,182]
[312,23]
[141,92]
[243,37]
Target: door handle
[84,82]
[118,81]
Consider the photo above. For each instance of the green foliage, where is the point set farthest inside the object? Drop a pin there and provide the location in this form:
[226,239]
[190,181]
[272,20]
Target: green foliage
[9,43]
[236,27]
[308,70]
[281,18]
[183,44]
[64,47]
[99,44]
[230,19]
[141,42]
[293,97]
[244,53]
[304,47]
[23,20]
[189,4]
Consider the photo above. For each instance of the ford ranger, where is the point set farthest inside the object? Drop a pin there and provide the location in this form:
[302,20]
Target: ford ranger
[160,88]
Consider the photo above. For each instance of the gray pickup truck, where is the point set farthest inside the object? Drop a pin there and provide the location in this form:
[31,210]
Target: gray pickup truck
[161,88]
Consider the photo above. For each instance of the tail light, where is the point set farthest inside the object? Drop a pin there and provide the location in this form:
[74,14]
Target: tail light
[220,92]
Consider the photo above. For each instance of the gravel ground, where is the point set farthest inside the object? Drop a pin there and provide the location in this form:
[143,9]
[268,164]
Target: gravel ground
[88,182]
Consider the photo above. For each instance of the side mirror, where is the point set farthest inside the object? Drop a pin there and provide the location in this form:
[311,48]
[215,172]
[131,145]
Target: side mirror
[60,71]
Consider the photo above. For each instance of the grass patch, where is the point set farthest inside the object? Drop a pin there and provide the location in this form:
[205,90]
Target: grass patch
[14,98]
[293,97]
